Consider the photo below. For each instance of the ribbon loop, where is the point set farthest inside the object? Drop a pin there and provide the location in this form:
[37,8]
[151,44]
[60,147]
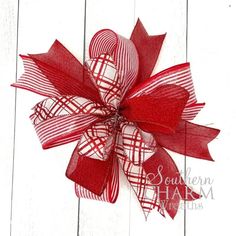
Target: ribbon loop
[163,108]
[96,141]
[66,105]
[135,148]
[60,120]
[122,50]
[176,75]
[105,76]
[90,173]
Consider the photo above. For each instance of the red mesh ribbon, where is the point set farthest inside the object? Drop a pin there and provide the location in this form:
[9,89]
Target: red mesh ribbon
[120,116]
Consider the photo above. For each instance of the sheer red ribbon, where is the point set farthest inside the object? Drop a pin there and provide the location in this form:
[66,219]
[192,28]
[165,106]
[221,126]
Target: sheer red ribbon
[120,116]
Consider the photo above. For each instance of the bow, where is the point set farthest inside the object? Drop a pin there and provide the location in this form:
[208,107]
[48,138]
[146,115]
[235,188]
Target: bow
[120,116]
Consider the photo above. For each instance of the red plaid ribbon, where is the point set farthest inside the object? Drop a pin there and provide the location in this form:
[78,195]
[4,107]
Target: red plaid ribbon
[120,116]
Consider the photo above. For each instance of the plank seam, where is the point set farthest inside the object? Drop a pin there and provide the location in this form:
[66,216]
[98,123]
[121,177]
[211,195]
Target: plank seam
[84,48]
[15,107]
[185,135]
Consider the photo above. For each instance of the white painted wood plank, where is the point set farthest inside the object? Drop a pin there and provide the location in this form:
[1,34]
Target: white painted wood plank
[44,203]
[99,218]
[8,19]
[212,52]
[159,17]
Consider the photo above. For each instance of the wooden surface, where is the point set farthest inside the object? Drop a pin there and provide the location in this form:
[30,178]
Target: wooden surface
[36,198]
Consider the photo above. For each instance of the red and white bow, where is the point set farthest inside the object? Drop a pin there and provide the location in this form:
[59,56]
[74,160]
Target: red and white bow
[120,116]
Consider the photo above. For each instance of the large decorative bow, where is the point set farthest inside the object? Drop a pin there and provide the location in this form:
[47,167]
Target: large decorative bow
[120,116]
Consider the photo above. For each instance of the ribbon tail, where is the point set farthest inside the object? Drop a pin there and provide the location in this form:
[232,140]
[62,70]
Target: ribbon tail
[55,73]
[146,45]
[137,177]
[179,75]
[142,187]
[189,139]
[161,168]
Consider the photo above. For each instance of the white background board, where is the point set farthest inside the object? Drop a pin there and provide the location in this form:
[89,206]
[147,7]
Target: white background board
[36,199]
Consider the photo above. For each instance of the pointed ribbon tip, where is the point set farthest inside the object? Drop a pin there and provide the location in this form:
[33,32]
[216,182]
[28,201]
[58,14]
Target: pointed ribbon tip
[148,48]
